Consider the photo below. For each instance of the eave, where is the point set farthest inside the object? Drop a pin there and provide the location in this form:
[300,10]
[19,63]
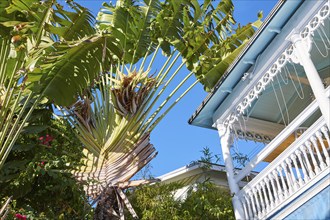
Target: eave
[272,25]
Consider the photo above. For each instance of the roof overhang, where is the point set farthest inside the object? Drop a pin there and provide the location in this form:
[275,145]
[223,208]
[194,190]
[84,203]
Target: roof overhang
[272,25]
[191,169]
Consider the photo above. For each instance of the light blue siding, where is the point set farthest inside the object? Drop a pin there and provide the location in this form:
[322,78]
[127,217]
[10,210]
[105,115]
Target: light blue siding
[316,208]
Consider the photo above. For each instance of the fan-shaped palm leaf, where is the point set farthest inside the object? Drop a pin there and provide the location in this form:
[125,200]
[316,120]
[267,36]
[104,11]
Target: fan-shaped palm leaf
[115,129]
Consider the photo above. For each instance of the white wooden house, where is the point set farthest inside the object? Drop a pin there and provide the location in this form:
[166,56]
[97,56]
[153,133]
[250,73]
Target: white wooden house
[194,173]
[277,92]
[198,172]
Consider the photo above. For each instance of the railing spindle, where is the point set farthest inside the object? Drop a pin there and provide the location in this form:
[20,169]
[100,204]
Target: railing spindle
[325,152]
[309,166]
[280,188]
[325,131]
[306,177]
[293,179]
[288,177]
[274,196]
[316,166]
[318,153]
[255,193]
[262,202]
[285,189]
[248,204]
[300,180]
[263,187]
[255,213]
[245,204]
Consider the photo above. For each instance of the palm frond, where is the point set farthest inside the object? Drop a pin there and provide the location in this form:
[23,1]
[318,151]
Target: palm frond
[14,100]
[118,22]
[70,25]
[67,69]
[149,12]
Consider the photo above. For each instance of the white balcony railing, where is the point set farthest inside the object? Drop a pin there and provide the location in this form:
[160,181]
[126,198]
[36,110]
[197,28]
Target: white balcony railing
[295,168]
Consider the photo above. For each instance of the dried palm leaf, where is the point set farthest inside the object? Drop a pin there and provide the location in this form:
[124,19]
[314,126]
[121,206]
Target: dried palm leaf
[130,91]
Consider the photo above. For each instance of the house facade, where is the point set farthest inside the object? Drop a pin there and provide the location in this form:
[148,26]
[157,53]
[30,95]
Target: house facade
[277,92]
[198,172]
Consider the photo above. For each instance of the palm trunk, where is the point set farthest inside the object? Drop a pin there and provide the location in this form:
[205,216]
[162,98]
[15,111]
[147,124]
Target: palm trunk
[110,206]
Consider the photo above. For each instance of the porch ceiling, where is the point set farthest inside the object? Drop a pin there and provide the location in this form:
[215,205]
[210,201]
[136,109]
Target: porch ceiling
[290,92]
[285,97]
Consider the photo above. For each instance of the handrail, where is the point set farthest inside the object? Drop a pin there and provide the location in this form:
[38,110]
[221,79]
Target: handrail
[290,150]
[279,139]
[298,166]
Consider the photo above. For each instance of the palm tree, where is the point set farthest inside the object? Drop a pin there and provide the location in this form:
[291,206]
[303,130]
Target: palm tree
[114,118]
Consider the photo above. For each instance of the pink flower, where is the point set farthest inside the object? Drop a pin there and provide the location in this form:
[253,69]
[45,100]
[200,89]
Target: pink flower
[41,164]
[45,140]
[19,216]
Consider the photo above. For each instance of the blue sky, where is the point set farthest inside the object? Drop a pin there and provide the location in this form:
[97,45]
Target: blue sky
[177,142]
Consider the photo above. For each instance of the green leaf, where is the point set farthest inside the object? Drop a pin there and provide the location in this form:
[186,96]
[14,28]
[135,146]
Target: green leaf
[14,166]
[73,25]
[34,129]
[22,147]
[260,15]
[210,79]
[65,73]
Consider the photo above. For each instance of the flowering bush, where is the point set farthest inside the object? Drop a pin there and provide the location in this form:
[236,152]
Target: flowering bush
[38,175]
[19,216]
[45,140]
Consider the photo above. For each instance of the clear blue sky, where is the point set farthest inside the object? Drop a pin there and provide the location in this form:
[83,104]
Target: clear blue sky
[177,142]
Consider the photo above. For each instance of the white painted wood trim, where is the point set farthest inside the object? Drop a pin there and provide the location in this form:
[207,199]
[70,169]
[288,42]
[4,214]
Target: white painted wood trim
[302,46]
[186,169]
[301,140]
[282,169]
[305,198]
[226,139]
[279,139]
[258,127]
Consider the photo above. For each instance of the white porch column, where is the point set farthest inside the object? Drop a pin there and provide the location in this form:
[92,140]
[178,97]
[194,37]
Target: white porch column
[226,140]
[303,55]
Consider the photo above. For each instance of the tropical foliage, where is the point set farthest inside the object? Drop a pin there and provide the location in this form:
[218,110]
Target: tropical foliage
[204,201]
[39,44]
[108,80]
[36,171]
[115,117]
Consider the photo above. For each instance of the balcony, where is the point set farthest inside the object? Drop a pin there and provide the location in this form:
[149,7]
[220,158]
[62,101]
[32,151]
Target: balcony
[300,166]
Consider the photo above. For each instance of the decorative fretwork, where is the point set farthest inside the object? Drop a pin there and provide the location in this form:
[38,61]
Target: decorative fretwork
[252,136]
[288,55]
